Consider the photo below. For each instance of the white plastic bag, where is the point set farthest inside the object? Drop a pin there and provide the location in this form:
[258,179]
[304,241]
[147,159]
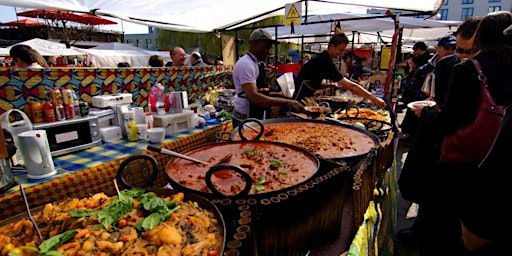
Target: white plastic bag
[287,84]
[22,124]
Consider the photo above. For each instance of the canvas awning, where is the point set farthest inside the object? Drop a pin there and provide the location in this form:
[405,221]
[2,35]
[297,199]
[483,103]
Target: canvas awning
[56,15]
[23,22]
[208,16]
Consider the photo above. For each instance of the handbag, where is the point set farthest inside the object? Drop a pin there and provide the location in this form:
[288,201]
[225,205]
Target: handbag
[472,142]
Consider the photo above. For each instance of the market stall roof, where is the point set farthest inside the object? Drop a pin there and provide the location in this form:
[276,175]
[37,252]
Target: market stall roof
[45,48]
[23,22]
[208,16]
[56,15]
[370,23]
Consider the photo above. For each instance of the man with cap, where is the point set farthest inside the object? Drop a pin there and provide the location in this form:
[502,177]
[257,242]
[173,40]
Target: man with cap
[322,67]
[254,97]
[445,46]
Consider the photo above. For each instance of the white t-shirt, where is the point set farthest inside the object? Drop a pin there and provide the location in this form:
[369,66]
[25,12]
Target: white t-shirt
[245,71]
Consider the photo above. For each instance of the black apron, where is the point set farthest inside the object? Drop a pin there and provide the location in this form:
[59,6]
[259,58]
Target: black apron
[256,111]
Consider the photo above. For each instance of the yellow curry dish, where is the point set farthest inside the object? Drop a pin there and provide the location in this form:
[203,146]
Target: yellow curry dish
[133,222]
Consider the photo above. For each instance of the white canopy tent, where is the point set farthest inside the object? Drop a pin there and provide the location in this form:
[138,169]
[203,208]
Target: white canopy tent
[365,28]
[45,48]
[127,47]
[208,16]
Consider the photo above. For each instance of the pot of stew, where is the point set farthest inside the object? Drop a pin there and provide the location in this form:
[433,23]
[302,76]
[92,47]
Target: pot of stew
[327,139]
[255,168]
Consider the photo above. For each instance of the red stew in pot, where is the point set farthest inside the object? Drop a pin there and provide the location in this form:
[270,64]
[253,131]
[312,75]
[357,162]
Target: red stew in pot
[272,166]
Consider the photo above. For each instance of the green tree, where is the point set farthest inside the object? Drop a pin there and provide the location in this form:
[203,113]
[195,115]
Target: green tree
[211,46]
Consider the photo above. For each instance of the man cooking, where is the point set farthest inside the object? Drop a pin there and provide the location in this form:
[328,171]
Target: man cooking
[254,96]
[322,67]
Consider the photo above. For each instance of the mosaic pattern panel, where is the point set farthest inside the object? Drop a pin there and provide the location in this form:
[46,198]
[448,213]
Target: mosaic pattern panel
[19,86]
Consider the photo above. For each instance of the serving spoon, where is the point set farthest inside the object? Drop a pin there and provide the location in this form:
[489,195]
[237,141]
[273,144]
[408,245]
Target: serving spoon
[225,159]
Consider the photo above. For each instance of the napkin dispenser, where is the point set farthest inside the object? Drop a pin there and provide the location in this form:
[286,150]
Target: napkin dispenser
[178,101]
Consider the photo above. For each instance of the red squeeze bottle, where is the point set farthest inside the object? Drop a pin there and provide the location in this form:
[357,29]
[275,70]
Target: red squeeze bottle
[49,113]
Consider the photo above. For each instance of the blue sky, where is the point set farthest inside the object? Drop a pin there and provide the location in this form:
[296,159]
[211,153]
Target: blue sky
[8,13]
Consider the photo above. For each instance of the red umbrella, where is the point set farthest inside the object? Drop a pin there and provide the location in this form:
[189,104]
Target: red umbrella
[24,22]
[67,16]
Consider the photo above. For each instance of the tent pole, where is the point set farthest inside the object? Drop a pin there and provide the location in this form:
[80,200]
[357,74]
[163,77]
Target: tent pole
[236,46]
[276,50]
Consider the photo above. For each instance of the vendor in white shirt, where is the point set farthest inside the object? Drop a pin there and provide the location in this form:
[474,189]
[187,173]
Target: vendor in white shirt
[254,96]
[23,56]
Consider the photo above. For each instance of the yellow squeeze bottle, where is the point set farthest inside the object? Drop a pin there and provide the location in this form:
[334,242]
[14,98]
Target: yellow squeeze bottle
[132,130]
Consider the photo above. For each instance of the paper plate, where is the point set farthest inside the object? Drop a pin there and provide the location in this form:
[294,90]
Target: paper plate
[424,103]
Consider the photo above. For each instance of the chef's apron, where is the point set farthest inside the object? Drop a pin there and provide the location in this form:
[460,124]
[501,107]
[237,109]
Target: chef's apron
[253,110]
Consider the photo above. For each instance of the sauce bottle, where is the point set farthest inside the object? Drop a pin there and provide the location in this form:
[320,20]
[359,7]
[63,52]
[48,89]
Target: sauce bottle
[149,120]
[37,111]
[49,112]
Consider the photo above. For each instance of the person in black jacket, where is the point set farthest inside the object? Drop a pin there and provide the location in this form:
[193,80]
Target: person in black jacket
[445,46]
[424,149]
[449,181]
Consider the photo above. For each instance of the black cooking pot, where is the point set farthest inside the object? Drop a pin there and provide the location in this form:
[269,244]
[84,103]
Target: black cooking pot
[201,202]
[262,126]
[180,171]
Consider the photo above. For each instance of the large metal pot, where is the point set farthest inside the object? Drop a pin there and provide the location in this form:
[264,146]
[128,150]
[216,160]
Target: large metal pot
[322,146]
[277,219]
[256,168]
[201,202]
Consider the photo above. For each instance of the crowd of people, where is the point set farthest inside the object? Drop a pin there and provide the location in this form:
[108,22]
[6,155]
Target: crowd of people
[455,165]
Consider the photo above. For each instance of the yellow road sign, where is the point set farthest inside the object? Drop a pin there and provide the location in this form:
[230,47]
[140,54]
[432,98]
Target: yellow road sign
[292,13]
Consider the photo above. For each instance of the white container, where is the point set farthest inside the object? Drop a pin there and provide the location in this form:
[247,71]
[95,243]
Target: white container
[142,131]
[111,133]
[156,135]
[139,115]
[149,120]
[175,122]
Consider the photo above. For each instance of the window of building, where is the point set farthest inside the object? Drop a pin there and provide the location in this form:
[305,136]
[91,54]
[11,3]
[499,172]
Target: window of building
[129,41]
[444,14]
[466,13]
[149,43]
[494,1]
[494,9]
[467,1]
[446,2]
[139,43]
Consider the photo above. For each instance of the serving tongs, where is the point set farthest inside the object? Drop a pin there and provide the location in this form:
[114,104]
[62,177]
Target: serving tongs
[225,159]
[22,191]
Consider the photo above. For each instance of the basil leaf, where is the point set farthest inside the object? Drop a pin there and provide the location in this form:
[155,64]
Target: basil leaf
[82,213]
[54,242]
[151,221]
[53,253]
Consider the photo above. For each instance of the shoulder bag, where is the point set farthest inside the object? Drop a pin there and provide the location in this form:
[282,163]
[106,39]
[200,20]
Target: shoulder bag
[472,142]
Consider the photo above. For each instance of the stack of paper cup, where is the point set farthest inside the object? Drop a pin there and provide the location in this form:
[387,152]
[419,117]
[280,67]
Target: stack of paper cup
[142,131]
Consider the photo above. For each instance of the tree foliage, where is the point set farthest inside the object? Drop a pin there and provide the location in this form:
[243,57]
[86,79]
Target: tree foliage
[210,45]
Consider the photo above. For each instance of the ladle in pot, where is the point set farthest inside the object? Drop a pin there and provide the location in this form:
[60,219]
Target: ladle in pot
[225,159]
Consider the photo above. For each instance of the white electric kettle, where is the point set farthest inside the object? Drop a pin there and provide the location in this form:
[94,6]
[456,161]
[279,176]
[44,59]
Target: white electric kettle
[36,153]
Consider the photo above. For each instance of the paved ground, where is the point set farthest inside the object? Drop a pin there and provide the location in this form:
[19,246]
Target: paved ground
[402,248]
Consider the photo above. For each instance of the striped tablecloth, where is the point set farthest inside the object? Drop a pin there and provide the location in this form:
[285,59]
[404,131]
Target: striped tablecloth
[94,170]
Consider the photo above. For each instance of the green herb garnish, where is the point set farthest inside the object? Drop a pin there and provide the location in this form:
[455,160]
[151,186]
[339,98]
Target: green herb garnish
[47,247]
[253,152]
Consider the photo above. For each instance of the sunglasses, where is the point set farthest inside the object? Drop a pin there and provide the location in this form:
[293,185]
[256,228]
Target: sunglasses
[464,51]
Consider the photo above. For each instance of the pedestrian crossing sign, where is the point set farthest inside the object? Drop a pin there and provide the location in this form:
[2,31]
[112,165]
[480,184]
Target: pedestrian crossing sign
[292,14]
